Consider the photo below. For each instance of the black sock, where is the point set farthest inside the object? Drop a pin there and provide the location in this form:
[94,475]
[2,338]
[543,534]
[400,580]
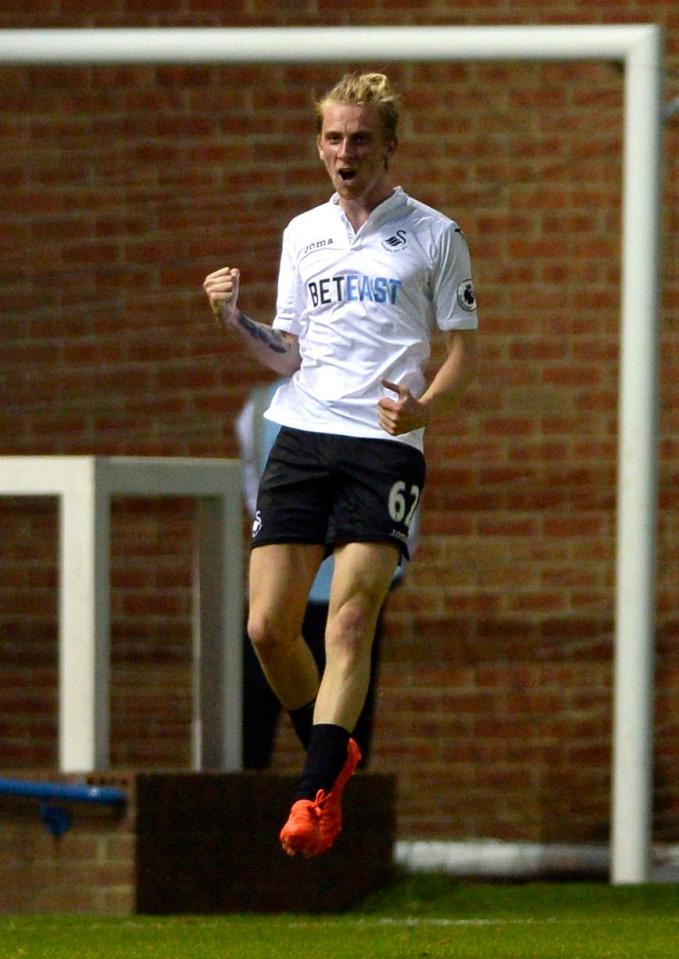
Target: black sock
[303,722]
[326,756]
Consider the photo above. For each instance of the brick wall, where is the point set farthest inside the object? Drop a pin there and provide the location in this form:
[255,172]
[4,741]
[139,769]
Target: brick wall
[121,187]
[90,868]
[148,856]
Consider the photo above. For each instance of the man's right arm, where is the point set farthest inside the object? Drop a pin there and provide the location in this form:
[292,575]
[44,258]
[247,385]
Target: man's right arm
[275,349]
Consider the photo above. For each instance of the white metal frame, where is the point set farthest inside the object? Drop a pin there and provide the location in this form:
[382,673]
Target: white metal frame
[639,48]
[84,486]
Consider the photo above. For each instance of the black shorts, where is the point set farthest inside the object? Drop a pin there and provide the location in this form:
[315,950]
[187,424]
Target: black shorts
[327,489]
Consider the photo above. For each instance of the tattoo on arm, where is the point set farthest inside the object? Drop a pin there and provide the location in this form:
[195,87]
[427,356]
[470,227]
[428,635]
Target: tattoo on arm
[266,334]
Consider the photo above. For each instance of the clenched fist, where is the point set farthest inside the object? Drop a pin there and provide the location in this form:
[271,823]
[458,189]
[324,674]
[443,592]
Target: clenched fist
[401,415]
[221,288]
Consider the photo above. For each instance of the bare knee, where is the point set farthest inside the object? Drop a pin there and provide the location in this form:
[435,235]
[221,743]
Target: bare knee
[350,633]
[270,638]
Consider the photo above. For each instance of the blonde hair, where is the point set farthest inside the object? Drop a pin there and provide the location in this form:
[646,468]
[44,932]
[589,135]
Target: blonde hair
[364,89]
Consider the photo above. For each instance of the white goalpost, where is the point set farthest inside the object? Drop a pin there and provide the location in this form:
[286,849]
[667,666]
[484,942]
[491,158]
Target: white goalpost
[639,49]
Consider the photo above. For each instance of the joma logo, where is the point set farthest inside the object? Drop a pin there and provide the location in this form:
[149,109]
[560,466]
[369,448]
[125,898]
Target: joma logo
[316,245]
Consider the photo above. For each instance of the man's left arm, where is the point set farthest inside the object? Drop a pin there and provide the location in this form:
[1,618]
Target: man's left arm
[453,377]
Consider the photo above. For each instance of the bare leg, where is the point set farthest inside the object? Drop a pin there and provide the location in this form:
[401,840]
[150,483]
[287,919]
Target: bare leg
[363,572]
[360,582]
[280,578]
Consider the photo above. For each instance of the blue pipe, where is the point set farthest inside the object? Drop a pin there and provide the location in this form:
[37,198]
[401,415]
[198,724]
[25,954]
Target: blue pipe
[106,795]
[57,820]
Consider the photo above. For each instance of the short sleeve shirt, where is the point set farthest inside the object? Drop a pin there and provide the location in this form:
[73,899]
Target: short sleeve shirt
[365,305]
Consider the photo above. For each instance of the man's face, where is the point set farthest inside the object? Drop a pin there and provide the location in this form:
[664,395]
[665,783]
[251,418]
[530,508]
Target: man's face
[355,150]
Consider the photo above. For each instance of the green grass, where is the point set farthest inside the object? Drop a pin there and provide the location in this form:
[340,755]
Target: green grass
[432,917]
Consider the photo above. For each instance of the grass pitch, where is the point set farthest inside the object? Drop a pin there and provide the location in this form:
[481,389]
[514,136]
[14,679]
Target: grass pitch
[421,917]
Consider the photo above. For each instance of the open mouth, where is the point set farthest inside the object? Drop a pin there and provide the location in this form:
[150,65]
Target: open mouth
[347,175]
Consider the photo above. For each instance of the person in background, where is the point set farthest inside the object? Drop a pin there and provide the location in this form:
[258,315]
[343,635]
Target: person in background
[261,707]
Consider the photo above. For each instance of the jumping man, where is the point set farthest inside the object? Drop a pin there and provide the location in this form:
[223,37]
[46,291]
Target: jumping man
[365,281]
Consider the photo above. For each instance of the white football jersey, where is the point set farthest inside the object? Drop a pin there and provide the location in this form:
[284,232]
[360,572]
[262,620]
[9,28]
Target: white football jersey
[364,306]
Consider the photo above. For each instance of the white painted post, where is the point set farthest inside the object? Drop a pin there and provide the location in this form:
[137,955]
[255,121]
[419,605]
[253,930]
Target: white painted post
[217,664]
[632,789]
[84,621]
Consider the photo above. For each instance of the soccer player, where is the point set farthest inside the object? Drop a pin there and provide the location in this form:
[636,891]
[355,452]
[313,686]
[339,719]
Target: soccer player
[365,280]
